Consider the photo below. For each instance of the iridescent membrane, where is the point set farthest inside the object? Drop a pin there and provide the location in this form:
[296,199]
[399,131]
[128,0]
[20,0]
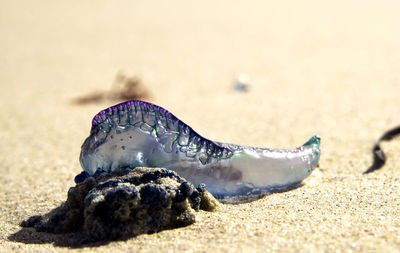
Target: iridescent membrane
[137,133]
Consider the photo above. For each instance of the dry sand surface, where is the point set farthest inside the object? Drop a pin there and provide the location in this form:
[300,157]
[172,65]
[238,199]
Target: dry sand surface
[330,68]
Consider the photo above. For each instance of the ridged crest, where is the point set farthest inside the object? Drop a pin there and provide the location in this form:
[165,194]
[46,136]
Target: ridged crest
[166,127]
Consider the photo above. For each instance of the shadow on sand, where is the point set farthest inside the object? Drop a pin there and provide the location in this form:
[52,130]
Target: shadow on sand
[71,240]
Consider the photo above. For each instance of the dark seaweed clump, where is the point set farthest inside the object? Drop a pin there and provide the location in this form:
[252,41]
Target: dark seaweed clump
[120,205]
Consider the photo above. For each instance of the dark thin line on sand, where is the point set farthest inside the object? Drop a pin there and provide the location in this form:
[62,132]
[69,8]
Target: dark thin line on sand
[378,154]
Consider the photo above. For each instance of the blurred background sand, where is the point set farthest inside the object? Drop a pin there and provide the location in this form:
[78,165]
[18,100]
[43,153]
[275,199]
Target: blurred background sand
[315,67]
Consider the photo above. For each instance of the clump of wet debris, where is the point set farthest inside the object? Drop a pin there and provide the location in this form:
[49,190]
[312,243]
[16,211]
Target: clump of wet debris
[122,204]
[124,87]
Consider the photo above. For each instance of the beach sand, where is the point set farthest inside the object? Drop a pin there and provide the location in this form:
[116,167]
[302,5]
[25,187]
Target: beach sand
[326,68]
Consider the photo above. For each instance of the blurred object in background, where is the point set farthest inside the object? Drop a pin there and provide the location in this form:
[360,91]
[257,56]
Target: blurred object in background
[241,82]
[123,88]
[128,88]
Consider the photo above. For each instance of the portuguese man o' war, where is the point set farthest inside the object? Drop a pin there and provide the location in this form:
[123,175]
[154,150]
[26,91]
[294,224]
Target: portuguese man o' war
[140,134]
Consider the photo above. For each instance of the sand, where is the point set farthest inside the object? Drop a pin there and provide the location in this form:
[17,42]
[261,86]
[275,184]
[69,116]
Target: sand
[326,68]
